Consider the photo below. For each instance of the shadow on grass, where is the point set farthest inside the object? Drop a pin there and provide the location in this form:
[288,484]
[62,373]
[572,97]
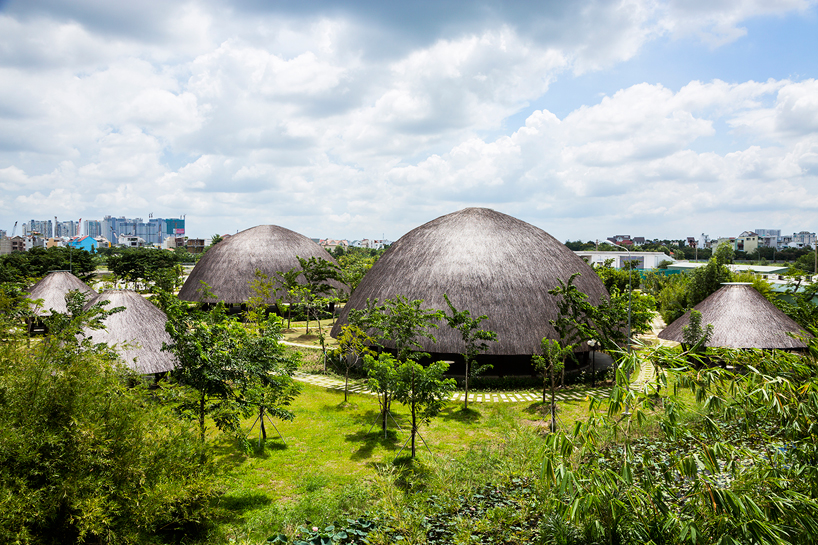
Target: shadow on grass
[540,409]
[369,440]
[459,414]
[244,501]
[231,508]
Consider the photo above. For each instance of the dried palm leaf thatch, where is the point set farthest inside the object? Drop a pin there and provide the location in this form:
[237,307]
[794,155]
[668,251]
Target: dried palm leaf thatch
[52,289]
[229,267]
[741,318]
[487,263]
[138,331]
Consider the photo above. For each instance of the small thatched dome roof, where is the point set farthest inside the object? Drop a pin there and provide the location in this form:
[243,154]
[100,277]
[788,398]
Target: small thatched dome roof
[741,318]
[52,289]
[138,331]
[229,267]
[487,263]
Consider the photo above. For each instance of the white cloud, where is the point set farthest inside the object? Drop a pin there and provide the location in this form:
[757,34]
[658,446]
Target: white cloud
[267,116]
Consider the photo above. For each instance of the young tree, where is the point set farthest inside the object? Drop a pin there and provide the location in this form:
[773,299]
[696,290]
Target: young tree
[606,322]
[288,282]
[318,291]
[404,323]
[694,335]
[353,346]
[550,362]
[382,373]
[399,320]
[474,340]
[423,390]
[221,361]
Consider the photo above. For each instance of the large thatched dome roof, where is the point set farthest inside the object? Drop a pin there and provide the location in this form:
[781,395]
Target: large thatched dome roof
[741,318]
[487,263]
[229,267]
[139,331]
[52,289]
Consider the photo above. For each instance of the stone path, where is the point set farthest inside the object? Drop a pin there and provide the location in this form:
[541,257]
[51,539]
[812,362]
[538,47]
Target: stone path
[359,387]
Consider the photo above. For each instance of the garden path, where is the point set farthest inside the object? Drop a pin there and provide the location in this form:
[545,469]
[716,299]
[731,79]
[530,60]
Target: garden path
[359,387]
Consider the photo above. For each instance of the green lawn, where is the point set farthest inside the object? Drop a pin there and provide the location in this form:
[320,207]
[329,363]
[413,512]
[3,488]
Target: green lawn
[330,464]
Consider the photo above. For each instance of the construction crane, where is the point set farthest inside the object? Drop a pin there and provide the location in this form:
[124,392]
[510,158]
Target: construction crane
[14,229]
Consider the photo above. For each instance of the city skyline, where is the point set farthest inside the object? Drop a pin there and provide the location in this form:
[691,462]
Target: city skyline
[582,118]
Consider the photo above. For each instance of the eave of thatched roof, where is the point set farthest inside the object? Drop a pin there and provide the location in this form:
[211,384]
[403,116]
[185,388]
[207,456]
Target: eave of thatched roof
[52,289]
[229,267]
[741,318]
[487,263]
[136,332]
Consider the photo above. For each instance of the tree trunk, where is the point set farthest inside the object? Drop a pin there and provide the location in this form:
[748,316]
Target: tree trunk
[553,403]
[263,429]
[414,421]
[289,314]
[385,412]
[346,386]
[202,417]
[466,406]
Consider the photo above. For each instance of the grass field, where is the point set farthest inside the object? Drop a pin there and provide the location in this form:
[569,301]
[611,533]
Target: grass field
[332,463]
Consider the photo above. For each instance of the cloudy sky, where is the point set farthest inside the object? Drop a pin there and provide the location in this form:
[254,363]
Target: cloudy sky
[366,119]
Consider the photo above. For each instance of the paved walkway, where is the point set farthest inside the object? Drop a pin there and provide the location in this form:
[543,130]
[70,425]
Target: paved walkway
[359,387]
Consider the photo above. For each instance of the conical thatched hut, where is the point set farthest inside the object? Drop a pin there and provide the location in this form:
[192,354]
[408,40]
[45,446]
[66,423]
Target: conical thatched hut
[741,318]
[487,263]
[229,267]
[52,289]
[138,331]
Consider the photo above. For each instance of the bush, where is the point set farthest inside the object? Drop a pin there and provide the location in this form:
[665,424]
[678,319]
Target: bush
[84,457]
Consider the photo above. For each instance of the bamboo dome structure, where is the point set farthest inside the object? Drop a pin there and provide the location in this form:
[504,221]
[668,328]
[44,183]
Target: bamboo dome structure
[488,263]
[741,318]
[229,267]
[136,332]
[52,289]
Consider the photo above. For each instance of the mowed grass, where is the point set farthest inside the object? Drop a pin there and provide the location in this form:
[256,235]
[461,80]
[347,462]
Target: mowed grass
[332,461]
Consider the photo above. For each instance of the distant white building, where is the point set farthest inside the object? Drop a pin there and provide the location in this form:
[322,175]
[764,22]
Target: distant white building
[130,241]
[643,260]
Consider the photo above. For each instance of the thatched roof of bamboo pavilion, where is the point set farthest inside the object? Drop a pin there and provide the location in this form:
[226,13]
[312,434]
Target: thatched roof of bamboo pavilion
[138,331]
[741,318]
[487,263]
[229,267]
[52,289]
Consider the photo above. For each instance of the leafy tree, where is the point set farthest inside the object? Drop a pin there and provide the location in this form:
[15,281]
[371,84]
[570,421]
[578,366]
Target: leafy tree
[37,262]
[423,390]
[606,322]
[142,265]
[401,321]
[617,278]
[288,282]
[550,362]
[382,378]
[318,292]
[705,280]
[215,239]
[474,340]
[353,346]
[695,336]
[354,264]
[220,361]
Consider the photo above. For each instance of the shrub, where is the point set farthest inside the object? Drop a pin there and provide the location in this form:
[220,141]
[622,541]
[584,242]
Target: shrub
[84,457]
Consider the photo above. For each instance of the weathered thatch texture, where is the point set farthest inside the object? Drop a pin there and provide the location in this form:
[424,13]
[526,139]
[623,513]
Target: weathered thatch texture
[138,331]
[741,318]
[52,289]
[230,266]
[487,263]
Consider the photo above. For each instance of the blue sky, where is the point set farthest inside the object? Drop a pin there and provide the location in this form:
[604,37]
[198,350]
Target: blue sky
[587,118]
